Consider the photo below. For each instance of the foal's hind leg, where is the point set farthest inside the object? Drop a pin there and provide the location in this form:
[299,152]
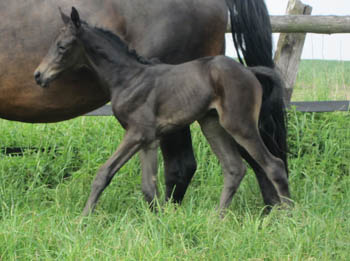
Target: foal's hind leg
[244,130]
[225,148]
[149,165]
[267,189]
[129,146]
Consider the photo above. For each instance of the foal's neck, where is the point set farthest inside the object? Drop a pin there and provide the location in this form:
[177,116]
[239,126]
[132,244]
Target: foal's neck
[110,60]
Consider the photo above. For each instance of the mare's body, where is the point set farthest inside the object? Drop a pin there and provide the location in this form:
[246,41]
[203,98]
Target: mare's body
[172,31]
[153,100]
[25,27]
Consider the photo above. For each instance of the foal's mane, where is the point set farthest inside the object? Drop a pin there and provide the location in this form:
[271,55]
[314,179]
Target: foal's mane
[115,39]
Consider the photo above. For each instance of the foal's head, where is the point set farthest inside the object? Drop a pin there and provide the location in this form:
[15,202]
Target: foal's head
[65,53]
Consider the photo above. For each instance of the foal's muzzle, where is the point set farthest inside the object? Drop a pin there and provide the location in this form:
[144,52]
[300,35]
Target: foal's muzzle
[39,80]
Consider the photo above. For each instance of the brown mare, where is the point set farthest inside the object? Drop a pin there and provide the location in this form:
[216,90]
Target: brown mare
[151,100]
[172,31]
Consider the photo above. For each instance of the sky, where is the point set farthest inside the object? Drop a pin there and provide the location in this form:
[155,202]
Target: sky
[317,46]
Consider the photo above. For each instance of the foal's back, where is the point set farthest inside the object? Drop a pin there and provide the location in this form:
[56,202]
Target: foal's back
[186,92]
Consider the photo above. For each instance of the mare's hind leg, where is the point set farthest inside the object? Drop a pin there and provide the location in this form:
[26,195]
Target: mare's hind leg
[225,148]
[149,165]
[179,163]
[244,130]
[129,146]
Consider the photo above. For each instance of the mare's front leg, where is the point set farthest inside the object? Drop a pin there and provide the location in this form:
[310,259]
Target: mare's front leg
[179,163]
[149,165]
[130,144]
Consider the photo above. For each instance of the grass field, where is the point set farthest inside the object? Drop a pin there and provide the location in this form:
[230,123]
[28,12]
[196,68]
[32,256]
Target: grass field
[42,194]
[318,80]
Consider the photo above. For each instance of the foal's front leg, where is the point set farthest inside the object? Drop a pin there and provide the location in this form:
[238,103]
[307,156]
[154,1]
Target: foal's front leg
[149,165]
[130,144]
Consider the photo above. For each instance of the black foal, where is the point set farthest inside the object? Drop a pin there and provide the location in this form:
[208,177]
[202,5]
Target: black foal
[151,100]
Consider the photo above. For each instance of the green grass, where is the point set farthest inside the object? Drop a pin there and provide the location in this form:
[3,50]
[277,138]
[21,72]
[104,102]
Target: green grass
[42,194]
[318,80]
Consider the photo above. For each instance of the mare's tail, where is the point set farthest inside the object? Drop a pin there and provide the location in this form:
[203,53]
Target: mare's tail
[272,122]
[251,31]
[252,36]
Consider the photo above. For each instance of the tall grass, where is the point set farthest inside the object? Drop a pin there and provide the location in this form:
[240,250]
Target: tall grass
[318,80]
[42,194]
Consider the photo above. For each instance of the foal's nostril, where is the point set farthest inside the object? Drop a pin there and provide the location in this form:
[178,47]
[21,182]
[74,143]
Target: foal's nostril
[37,76]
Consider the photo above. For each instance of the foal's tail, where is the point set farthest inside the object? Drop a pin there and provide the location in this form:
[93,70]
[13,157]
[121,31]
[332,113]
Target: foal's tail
[273,120]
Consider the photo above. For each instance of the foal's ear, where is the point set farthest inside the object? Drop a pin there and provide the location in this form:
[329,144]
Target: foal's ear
[65,18]
[75,18]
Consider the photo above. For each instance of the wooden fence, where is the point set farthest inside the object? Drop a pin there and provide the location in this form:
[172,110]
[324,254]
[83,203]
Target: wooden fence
[317,24]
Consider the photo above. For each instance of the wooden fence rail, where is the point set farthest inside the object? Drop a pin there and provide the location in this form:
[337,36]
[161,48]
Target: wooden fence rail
[319,24]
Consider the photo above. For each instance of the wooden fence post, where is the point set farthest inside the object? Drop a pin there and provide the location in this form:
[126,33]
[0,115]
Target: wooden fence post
[289,49]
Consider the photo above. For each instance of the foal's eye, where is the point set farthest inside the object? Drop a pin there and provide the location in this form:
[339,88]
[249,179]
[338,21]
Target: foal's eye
[61,49]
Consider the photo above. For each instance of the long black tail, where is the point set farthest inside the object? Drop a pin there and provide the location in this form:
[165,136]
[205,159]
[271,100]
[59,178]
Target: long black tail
[272,123]
[251,31]
[252,36]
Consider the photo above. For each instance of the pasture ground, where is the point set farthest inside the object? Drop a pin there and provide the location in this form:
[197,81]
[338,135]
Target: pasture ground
[42,193]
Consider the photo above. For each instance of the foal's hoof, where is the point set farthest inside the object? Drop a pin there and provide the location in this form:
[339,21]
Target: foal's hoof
[87,212]
[286,203]
[285,208]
